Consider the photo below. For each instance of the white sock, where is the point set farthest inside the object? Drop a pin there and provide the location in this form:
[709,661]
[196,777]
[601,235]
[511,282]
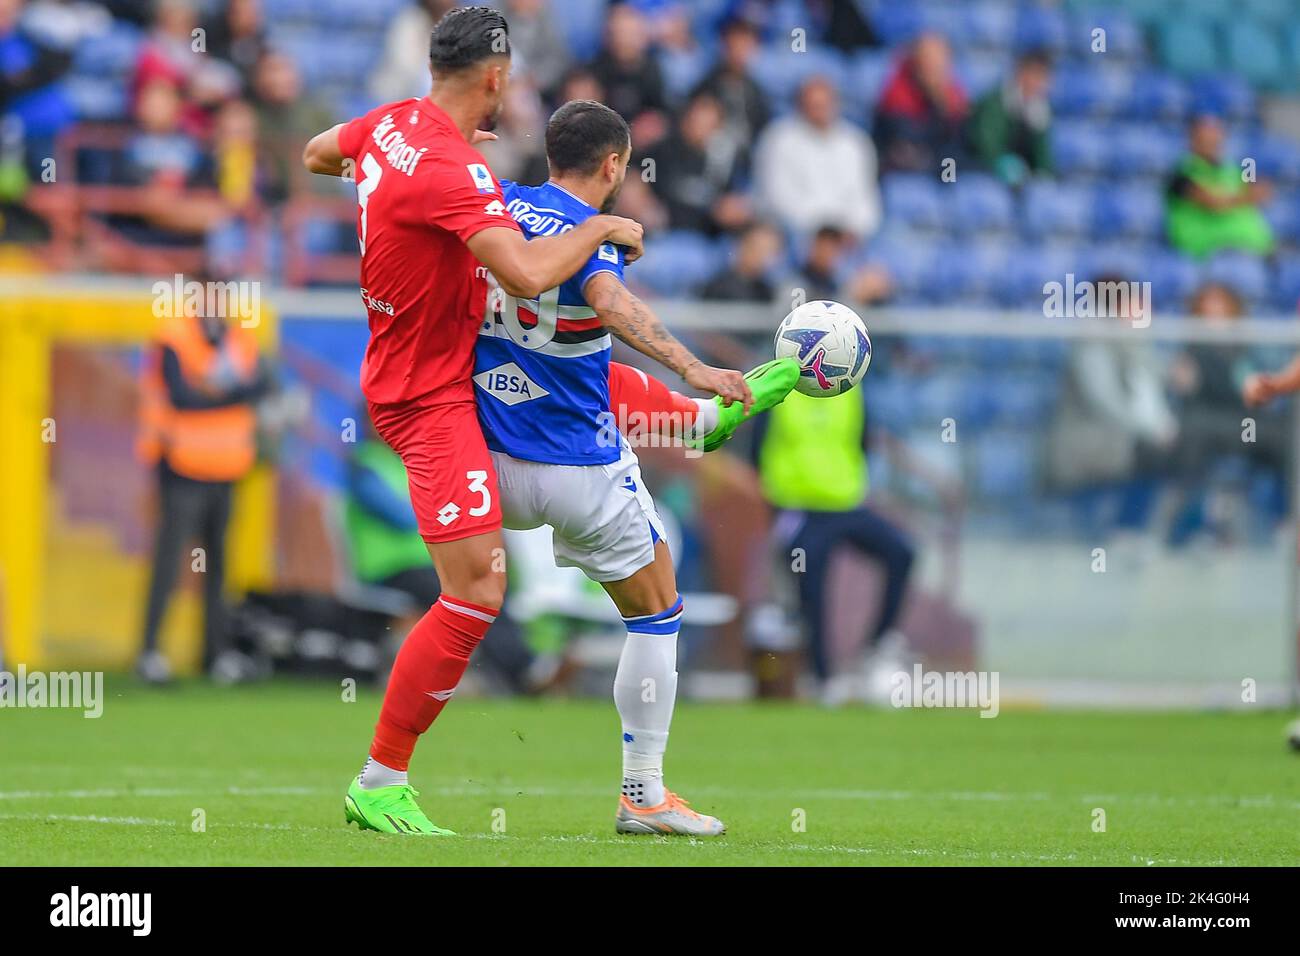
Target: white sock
[707,418]
[645,689]
[375,775]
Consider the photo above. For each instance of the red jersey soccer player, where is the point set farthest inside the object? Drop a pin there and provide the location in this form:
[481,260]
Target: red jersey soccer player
[429,212]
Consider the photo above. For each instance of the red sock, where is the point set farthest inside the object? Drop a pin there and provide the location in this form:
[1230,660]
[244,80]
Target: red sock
[428,667]
[644,405]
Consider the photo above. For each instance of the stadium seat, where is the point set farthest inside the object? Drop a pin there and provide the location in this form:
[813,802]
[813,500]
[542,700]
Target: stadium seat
[1141,149]
[1286,283]
[1003,462]
[108,55]
[1173,279]
[1055,209]
[914,200]
[680,261]
[1040,28]
[1155,95]
[1255,53]
[1078,147]
[1123,34]
[780,72]
[1222,94]
[987,24]
[1033,264]
[1187,46]
[978,203]
[1095,91]
[94,100]
[1283,214]
[1128,210]
[581,26]
[1243,271]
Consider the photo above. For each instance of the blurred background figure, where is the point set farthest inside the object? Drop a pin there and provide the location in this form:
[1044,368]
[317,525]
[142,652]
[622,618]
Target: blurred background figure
[812,460]
[403,69]
[748,276]
[198,431]
[698,172]
[815,168]
[1211,206]
[921,111]
[1010,126]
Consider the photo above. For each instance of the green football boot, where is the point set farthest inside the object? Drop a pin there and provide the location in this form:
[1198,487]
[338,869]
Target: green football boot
[389,810]
[770,383]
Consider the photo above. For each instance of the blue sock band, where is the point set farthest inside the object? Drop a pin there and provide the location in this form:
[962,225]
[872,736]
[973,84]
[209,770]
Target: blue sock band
[665,622]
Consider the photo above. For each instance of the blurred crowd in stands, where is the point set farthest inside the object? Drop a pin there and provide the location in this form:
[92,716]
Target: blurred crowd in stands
[930,153]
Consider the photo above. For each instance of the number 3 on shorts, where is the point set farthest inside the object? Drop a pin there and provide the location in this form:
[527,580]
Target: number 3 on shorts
[478,482]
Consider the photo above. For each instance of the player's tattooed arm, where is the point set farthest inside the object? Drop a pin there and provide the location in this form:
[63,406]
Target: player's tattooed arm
[527,268]
[635,324]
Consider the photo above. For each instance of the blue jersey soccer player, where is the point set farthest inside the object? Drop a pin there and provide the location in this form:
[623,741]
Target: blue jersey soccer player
[542,375]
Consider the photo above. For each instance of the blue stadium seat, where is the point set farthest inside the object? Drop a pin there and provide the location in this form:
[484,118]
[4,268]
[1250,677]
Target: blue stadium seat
[1246,273]
[1123,34]
[780,71]
[93,99]
[976,271]
[978,203]
[914,200]
[581,25]
[978,73]
[1096,91]
[1128,210]
[682,70]
[1276,157]
[1004,466]
[987,24]
[1078,147]
[1286,283]
[1040,28]
[1155,95]
[1187,45]
[1255,53]
[1140,149]
[866,74]
[1055,209]
[110,54]
[680,261]
[907,256]
[1223,94]
[1032,265]
[1173,277]
[1283,214]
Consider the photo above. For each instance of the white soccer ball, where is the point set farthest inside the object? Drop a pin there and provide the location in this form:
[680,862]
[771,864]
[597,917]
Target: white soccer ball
[829,342]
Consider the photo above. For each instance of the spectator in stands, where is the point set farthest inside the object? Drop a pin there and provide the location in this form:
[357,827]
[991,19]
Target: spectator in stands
[404,65]
[238,35]
[33,106]
[174,54]
[696,172]
[815,168]
[824,275]
[519,152]
[1009,125]
[536,44]
[1114,429]
[747,277]
[920,116]
[631,77]
[843,24]
[744,105]
[1210,380]
[1209,205]
[286,117]
[238,165]
[171,168]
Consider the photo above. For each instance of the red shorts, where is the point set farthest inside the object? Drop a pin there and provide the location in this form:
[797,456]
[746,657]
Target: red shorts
[449,472]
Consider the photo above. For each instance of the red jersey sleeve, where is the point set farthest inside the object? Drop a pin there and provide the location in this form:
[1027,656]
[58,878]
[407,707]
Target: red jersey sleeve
[466,198]
[351,136]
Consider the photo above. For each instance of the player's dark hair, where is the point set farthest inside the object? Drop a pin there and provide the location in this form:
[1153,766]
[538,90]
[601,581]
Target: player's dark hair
[581,133]
[466,36]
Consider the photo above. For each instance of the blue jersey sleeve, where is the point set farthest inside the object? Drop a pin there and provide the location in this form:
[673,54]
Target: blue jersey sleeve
[607,258]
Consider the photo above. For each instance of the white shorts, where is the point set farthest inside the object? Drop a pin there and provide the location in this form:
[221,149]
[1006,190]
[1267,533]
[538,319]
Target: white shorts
[603,516]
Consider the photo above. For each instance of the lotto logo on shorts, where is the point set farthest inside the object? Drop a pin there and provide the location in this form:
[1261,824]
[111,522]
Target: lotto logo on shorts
[448,513]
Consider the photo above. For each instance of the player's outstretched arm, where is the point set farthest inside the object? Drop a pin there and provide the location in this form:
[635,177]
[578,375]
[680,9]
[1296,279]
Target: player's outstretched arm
[636,324]
[527,268]
[322,153]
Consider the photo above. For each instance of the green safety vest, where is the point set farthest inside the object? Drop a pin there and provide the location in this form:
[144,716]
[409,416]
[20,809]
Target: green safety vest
[812,457]
[379,550]
[1199,231]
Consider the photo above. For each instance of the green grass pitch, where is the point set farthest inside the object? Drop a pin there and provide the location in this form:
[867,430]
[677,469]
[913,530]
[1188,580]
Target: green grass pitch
[534,783]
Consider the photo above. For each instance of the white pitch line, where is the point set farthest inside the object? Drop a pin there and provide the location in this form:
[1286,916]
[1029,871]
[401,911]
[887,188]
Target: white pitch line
[1227,801]
[719,845]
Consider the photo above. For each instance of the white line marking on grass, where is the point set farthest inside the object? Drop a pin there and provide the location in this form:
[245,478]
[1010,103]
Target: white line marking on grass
[722,845]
